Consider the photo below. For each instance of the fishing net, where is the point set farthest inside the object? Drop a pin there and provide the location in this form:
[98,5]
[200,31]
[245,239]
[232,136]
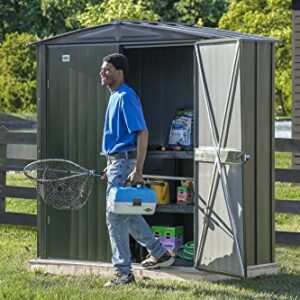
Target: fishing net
[62,184]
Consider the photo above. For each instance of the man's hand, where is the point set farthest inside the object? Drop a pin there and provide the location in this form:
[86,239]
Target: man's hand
[135,177]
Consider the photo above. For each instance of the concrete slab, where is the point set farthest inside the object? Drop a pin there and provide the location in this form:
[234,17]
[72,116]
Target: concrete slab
[76,267]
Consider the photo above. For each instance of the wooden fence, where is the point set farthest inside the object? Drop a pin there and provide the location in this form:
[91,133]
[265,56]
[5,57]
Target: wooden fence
[11,164]
[283,205]
[6,164]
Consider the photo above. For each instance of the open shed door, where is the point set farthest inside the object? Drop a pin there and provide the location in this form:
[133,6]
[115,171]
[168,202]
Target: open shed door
[219,160]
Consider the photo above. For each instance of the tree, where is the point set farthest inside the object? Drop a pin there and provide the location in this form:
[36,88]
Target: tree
[269,18]
[17,73]
[164,8]
[109,10]
[40,17]
[21,16]
[62,14]
[201,12]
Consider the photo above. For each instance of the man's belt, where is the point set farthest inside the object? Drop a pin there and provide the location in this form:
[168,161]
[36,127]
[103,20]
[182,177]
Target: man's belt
[120,155]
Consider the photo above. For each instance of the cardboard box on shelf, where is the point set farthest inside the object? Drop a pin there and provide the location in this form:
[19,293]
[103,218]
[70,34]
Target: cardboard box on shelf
[185,195]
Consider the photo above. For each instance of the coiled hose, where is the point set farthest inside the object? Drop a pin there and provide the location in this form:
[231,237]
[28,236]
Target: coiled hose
[187,251]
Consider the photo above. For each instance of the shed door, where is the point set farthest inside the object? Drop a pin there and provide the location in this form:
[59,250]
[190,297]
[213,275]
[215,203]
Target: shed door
[76,105]
[219,160]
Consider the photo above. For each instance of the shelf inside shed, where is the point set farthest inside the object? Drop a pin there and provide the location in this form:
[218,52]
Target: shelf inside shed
[186,154]
[175,208]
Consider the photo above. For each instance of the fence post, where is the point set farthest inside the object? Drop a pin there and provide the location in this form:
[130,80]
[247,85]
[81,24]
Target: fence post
[3,153]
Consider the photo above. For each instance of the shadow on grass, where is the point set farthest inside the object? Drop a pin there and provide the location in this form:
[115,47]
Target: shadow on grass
[281,286]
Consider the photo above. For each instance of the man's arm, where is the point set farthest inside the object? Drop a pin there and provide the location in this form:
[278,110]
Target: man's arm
[142,144]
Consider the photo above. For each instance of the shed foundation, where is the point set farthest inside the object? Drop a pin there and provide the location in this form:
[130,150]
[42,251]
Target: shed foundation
[75,267]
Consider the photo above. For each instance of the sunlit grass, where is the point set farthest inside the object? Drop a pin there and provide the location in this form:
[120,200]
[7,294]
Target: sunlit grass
[286,191]
[19,205]
[18,245]
[287,222]
[283,160]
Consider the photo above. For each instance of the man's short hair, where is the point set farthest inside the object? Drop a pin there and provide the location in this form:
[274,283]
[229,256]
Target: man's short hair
[119,61]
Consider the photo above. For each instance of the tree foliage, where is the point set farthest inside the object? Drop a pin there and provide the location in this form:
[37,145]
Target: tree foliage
[201,12]
[164,8]
[21,16]
[109,10]
[40,17]
[269,18]
[17,73]
[50,17]
[62,14]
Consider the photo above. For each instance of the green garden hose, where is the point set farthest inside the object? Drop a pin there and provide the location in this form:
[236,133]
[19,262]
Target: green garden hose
[187,251]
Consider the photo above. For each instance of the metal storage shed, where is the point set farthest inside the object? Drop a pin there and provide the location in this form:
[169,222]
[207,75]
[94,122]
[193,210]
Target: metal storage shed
[226,77]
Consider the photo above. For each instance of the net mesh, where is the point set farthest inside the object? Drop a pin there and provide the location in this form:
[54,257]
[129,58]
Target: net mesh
[62,184]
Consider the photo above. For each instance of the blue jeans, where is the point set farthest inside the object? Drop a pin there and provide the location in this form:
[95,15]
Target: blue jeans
[120,226]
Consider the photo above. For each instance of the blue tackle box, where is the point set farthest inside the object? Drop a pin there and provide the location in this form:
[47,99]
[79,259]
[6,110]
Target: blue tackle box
[132,200]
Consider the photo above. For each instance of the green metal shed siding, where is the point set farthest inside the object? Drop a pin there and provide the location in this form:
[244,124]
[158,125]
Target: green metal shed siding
[264,153]
[76,105]
[251,127]
[248,92]
[257,95]
[41,146]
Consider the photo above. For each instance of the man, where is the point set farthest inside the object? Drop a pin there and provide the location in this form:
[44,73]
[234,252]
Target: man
[125,140]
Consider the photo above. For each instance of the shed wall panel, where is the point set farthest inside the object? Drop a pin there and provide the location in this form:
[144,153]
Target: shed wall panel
[248,82]
[41,146]
[76,109]
[264,119]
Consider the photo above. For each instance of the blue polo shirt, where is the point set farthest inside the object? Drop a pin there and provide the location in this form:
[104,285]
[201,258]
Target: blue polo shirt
[124,117]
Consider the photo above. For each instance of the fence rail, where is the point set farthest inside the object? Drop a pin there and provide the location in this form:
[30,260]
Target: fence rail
[9,164]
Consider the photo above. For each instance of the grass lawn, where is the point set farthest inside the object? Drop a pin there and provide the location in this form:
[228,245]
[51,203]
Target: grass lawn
[18,244]
[286,191]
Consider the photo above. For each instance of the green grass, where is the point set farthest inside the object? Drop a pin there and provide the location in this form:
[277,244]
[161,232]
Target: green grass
[19,205]
[286,191]
[287,222]
[283,160]
[18,244]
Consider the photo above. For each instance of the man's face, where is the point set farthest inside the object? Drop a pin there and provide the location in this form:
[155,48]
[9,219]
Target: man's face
[109,74]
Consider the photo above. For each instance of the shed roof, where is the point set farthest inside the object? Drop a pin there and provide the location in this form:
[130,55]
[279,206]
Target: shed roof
[124,31]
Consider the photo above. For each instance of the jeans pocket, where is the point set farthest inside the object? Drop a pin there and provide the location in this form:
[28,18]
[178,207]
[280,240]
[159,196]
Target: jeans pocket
[116,172]
[131,163]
